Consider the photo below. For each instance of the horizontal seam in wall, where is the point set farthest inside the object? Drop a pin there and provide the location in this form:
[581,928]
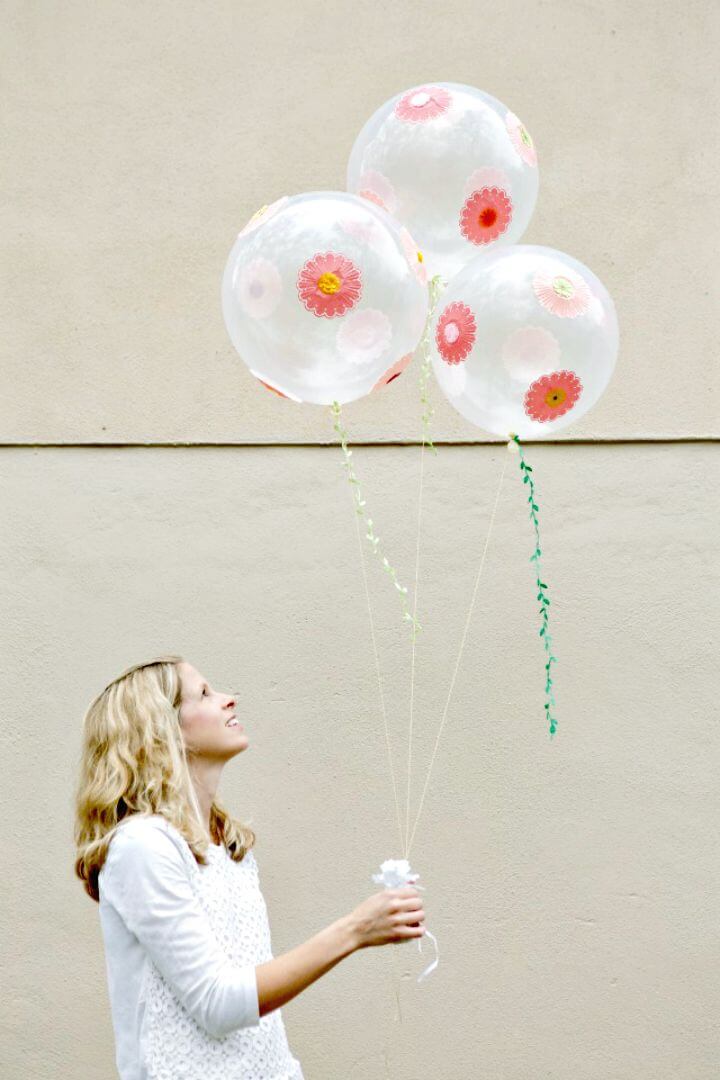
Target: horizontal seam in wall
[661,440]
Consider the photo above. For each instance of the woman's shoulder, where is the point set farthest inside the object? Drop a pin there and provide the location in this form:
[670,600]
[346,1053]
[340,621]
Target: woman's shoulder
[145,836]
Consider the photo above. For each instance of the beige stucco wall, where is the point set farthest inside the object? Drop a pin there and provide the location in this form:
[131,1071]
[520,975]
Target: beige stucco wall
[573,885]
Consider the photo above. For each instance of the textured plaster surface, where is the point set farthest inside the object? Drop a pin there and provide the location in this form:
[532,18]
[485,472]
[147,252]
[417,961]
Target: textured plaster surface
[138,139]
[572,883]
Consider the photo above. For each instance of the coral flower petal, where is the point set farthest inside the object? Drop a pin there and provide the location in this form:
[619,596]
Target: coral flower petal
[422,104]
[329,285]
[551,396]
[455,332]
[485,215]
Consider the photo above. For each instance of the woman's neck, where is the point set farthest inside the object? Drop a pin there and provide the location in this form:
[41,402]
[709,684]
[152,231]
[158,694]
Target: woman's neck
[205,776]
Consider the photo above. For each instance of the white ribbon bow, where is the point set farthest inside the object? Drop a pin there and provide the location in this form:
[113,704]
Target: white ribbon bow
[394,873]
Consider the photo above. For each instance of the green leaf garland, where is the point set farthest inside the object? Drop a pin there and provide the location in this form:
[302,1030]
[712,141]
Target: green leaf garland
[544,600]
[370,535]
[436,285]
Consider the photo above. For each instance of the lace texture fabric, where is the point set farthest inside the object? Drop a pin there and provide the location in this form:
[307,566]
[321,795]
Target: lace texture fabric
[175,1047]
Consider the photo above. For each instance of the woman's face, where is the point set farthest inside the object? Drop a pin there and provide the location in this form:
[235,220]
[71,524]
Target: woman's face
[204,717]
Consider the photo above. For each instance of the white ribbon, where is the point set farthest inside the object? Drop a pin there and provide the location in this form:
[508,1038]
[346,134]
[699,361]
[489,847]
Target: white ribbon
[394,873]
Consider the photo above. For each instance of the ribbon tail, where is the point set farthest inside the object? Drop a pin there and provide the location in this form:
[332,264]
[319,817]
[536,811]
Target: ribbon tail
[431,967]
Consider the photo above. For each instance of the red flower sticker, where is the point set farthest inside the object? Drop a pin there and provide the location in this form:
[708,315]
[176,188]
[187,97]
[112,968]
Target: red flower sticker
[455,332]
[552,396]
[485,215]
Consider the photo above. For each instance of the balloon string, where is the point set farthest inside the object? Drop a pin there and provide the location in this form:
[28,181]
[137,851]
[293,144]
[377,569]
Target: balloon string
[412,661]
[379,677]
[435,289]
[370,535]
[460,652]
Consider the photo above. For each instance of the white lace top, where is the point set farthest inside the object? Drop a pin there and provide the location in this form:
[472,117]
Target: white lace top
[181,945]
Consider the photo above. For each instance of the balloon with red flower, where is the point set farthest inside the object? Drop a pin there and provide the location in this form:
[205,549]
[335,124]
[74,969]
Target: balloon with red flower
[454,165]
[535,334]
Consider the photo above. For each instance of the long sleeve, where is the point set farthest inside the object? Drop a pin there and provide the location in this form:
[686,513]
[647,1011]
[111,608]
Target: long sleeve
[146,879]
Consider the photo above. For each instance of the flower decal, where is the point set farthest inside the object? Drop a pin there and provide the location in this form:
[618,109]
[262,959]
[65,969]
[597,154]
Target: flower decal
[263,214]
[455,332]
[424,103]
[413,256]
[566,294]
[373,197]
[528,350]
[485,215]
[486,177]
[259,288]
[521,139]
[393,372]
[364,336]
[377,189]
[367,232]
[329,285]
[552,396]
[273,388]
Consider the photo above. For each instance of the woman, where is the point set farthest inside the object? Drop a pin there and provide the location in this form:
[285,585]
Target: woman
[194,989]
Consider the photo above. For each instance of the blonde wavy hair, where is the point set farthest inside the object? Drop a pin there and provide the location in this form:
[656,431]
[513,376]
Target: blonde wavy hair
[133,761]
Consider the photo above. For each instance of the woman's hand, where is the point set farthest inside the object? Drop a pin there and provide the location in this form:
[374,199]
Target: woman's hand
[388,917]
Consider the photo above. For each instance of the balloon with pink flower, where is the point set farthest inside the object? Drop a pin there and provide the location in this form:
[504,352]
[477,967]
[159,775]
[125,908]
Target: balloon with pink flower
[324,297]
[327,296]
[524,341]
[454,165]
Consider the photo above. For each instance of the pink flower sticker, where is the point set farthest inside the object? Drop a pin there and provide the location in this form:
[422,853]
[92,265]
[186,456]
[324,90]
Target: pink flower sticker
[487,177]
[565,293]
[259,288]
[485,215]
[377,189]
[552,396]
[455,332]
[414,256]
[528,350]
[393,372]
[422,104]
[521,139]
[329,285]
[367,232]
[373,197]
[364,336]
[263,214]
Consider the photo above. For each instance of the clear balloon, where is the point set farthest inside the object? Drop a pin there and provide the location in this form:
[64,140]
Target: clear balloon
[325,297]
[524,340]
[454,165]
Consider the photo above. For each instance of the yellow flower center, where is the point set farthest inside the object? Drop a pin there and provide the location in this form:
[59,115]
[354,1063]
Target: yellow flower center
[563,287]
[555,397]
[329,283]
[420,256]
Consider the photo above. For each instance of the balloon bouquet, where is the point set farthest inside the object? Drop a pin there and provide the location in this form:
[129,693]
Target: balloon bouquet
[328,295]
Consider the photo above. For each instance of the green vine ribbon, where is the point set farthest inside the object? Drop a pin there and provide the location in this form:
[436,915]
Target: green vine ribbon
[542,590]
[370,534]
